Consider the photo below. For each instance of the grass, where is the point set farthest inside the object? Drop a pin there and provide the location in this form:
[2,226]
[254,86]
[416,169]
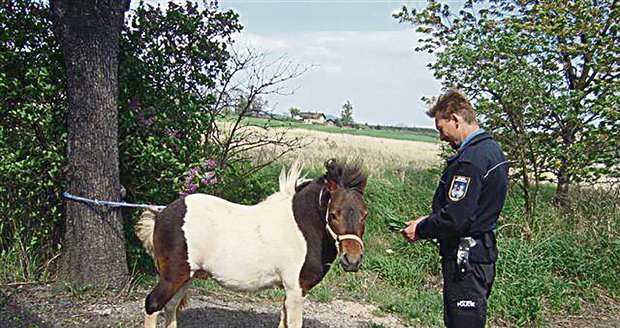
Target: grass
[418,135]
[568,257]
[19,263]
[561,265]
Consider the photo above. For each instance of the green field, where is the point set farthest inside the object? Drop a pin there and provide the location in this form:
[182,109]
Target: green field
[410,134]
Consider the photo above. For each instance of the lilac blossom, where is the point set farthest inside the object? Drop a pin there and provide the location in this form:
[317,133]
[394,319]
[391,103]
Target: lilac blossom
[173,133]
[210,163]
[136,107]
[199,175]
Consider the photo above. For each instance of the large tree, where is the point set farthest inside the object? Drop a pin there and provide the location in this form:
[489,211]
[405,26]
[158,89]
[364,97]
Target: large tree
[544,75]
[346,115]
[94,242]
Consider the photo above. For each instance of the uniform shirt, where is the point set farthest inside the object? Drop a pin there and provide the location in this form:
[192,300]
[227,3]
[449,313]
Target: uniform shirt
[469,199]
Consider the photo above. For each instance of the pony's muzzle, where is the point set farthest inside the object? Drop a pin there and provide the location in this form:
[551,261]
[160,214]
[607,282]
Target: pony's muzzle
[351,262]
[351,254]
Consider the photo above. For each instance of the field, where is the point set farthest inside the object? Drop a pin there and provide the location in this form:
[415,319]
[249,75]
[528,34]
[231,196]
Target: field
[409,134]
[376,154]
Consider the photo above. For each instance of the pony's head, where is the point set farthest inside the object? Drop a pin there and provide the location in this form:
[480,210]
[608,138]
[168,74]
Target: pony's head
[346,212]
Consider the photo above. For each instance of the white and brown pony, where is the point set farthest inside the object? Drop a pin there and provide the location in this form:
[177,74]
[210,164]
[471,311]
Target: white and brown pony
[287,241]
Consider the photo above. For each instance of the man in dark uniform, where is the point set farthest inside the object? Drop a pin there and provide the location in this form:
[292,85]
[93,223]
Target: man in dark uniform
[465,209]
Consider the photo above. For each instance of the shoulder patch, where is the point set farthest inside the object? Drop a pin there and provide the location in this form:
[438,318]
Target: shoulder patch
[458,188]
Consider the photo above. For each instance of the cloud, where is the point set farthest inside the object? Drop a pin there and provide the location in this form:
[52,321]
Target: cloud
[379,72]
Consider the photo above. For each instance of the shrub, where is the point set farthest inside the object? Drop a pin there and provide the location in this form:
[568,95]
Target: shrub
[32,141]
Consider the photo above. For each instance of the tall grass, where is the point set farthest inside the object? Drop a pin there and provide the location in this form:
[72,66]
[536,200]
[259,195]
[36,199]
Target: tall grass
[563,259]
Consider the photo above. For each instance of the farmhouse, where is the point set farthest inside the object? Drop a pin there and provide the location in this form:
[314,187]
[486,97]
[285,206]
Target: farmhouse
[313,118]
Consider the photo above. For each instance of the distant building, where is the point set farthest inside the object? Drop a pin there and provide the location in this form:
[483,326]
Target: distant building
[313,118]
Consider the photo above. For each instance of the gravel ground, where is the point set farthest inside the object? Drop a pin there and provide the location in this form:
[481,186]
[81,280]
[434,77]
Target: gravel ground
[48,306]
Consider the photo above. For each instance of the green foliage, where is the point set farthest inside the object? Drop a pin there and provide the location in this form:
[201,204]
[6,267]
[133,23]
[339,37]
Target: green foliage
[165,118]
[541,75]
[346,116]
[32,140]
[294,111]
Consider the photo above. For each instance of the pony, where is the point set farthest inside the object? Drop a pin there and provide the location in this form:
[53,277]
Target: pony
[287,241]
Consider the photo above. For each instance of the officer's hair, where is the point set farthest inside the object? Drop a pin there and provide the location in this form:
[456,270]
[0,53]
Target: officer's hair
[452,102]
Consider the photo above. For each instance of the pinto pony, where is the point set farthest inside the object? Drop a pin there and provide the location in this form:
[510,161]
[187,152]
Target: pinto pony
[288,241]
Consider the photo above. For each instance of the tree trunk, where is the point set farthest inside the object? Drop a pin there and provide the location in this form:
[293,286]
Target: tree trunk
[93,249]
[560,199]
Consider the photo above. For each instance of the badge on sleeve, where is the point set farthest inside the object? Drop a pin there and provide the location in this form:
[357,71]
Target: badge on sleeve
[458,189]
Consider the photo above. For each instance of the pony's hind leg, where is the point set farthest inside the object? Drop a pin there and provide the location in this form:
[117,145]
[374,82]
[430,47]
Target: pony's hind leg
[282,317]
[172,306]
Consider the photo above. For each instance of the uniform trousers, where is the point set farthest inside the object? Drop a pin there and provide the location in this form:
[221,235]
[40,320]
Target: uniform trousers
[465,296]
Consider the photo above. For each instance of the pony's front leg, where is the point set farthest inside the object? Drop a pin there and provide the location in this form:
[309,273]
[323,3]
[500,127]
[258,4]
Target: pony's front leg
[150,320]
[293,308]
[170,312]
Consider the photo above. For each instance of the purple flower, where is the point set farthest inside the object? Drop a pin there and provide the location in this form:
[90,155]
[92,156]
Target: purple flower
[148,122]
[209,175]
[190,189]
[209,163]
[197,176]
[173,133]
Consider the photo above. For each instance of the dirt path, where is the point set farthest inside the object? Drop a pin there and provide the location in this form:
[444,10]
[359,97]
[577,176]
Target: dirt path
[46,306]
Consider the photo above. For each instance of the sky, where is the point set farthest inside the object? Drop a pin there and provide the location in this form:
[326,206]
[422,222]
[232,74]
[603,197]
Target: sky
[357,53]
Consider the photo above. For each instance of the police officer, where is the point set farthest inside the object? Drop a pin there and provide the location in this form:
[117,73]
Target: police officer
[465,209]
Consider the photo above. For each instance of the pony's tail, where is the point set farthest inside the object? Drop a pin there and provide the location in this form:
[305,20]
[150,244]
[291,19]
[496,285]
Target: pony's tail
[144,229]
[288,182]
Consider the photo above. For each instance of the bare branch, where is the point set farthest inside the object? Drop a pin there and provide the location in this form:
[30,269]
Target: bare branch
[251,75]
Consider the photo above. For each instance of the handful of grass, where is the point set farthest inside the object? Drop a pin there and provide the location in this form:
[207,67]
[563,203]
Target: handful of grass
[394,223]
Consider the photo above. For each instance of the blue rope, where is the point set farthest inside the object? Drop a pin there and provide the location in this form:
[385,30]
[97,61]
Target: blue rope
[110,204]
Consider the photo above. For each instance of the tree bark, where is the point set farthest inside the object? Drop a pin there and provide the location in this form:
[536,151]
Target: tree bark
[93,249]
[560,199]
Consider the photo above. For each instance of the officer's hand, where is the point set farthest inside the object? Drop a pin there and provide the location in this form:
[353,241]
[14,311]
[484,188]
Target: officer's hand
[409,231]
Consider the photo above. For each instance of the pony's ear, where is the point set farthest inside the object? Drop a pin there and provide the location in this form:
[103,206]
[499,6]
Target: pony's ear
[333,175]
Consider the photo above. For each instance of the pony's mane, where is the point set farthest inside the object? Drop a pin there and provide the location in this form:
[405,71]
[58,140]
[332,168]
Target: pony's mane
[288,181]
[353,177]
